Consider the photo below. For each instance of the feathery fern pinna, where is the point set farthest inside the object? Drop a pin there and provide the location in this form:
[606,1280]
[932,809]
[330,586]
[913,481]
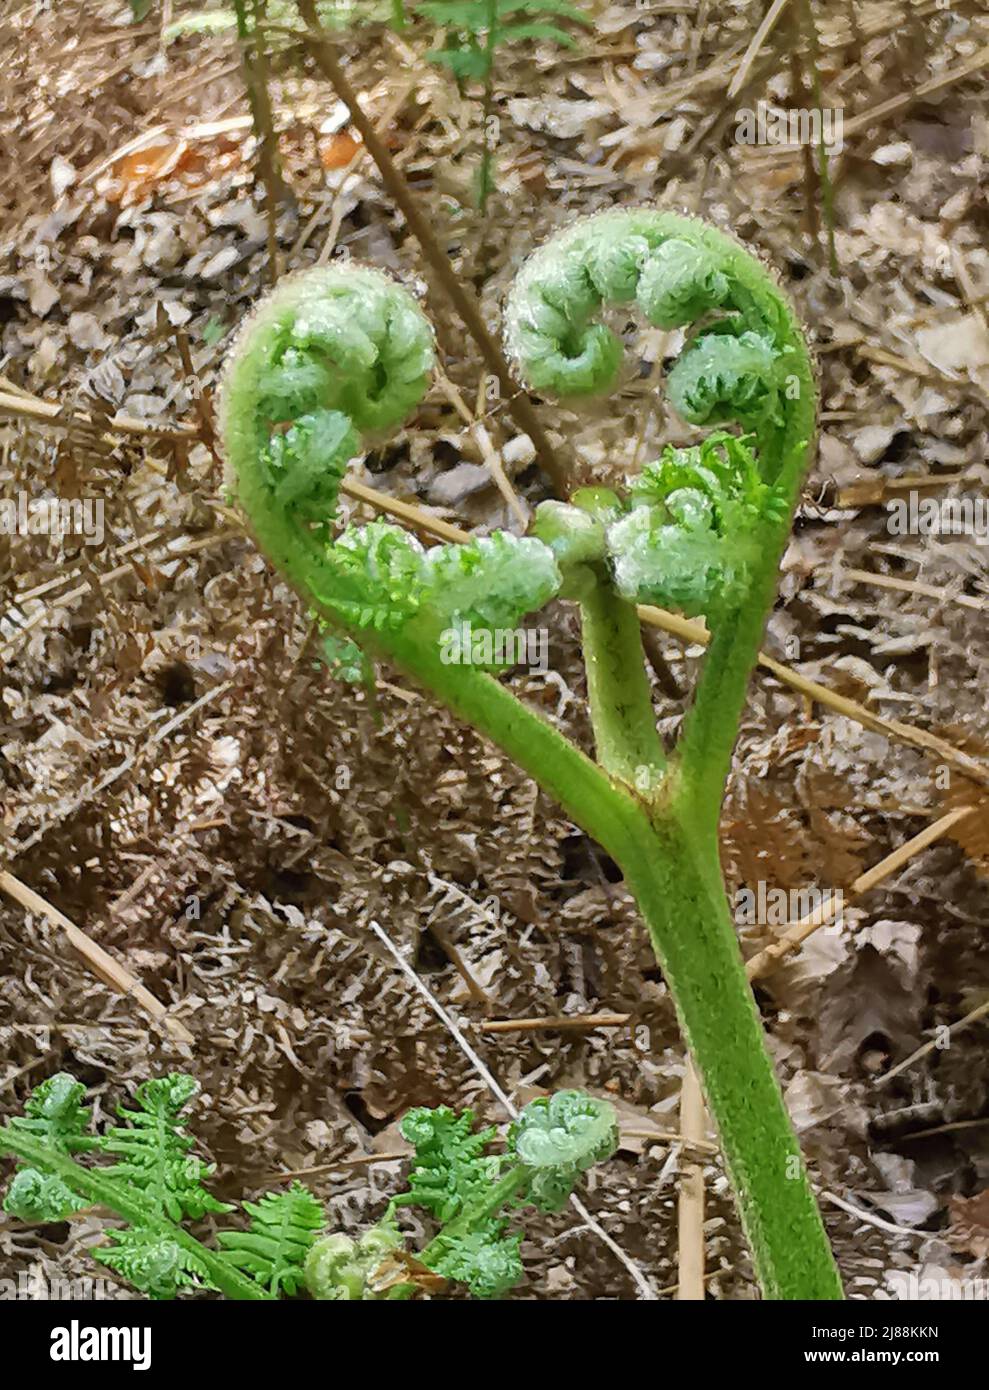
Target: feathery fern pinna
[157,1184]
[335,355]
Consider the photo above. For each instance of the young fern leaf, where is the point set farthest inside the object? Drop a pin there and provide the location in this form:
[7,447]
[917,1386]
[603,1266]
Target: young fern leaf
[699,520]
[558,1138]
[53,1115]
[155,1264]
[153,1151]
[485,1258]
[284,1227]
[703,531]
[678,271]
[339,1269]
[156,1183]
[34,1196]
[550,1146]
[454,1178]
[452,1168]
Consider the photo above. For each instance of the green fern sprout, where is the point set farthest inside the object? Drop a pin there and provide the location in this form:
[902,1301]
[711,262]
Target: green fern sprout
[157,1184]
[703,529]
[550,1147]
[474,31]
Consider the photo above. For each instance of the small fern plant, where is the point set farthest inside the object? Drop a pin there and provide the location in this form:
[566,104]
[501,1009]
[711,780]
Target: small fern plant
[156,1184]
[474,32]
[337,355]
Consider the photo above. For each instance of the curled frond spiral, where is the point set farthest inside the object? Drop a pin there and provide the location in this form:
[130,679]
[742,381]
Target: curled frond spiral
[331,356]
[699,515]
[746,361]
[334,357]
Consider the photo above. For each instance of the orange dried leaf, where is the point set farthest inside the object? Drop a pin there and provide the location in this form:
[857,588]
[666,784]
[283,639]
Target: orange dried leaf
[337,151]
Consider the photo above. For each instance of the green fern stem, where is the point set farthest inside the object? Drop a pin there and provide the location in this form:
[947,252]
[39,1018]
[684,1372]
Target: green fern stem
[625,737]
[672,868]
[499,1194]
[750,364]
[99,1190]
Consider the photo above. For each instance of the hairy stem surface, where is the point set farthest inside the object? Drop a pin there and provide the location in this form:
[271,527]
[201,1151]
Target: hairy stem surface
[671,865]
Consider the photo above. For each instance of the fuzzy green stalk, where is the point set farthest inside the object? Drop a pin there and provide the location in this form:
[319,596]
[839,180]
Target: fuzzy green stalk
[673,870]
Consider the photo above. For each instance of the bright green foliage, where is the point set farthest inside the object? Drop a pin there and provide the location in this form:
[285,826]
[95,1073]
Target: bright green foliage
[53,1113]
[42,1197]
[472,39]
[153,1150]
[550,1146]
[306,463]
[722,376]
[558,1138]
[337,353]
[328,358]
[284,1227]
[377,577]
[156,1185]
[155,1264]
[452,1168]
[484,1258]
[492,581]
[700,518]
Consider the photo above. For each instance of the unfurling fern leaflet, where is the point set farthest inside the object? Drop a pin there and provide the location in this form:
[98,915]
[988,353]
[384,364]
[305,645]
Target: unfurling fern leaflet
[690,525]
[332,358]
[550,1146]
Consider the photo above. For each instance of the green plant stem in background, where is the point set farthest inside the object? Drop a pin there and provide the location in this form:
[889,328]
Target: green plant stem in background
[475,31]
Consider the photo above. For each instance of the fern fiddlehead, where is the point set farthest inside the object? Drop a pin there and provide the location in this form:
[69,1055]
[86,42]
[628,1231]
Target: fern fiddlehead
[702,530]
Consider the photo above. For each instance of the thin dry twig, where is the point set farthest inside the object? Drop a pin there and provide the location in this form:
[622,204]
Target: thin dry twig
[578,1023]
[752,52]
[689,631]
[915,586]
[982,1011]
[690,1202]
[106,968]
[798,933]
